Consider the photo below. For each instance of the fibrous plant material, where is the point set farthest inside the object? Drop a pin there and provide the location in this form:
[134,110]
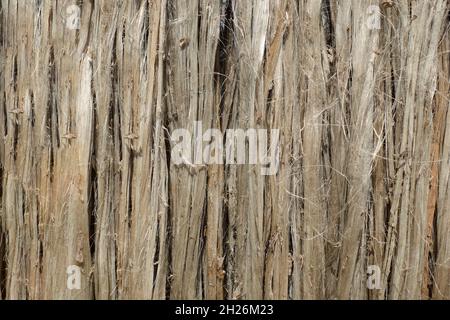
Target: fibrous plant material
[93,204]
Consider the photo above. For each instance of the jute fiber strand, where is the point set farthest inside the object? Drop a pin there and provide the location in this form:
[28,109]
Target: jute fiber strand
[92,90]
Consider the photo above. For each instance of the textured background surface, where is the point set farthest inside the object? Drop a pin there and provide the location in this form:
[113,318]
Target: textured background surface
[87,179]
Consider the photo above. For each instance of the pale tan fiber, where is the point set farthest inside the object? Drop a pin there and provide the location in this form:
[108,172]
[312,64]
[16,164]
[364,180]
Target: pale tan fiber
[88,180]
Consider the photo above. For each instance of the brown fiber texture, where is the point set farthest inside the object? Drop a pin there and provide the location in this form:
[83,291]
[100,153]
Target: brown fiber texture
[87,178]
